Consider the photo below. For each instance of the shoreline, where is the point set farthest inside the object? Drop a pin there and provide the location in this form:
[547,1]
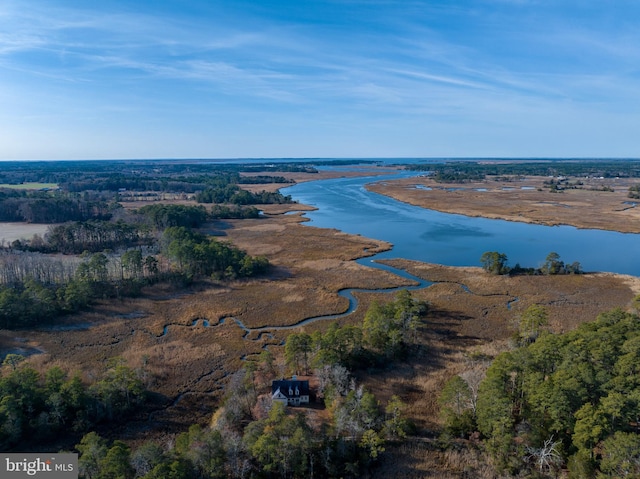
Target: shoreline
[579,208]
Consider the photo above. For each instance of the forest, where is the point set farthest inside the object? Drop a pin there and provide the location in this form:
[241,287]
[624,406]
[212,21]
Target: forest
[37,407]
[558,400]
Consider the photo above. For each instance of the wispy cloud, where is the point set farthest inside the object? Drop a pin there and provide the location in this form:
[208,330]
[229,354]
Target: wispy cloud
[355,61]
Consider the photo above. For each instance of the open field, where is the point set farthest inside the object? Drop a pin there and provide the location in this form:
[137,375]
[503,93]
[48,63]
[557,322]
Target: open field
[30,186]
[526,201]
[13,231]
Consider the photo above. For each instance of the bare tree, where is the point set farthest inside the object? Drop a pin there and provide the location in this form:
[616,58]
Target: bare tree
[473,378]
[546,457]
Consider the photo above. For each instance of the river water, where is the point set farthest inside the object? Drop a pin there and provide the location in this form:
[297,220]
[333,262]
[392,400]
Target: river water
[456,240]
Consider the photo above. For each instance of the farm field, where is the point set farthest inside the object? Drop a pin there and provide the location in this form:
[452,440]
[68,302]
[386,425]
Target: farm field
[14,231]
[29,186]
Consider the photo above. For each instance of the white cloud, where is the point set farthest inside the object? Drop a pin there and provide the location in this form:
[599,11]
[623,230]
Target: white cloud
[433,66]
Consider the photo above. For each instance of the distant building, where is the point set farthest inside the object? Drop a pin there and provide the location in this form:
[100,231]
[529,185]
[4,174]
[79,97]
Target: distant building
[290,392]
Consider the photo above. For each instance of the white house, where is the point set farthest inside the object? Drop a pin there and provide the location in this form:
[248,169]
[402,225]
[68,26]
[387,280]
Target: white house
[290,392]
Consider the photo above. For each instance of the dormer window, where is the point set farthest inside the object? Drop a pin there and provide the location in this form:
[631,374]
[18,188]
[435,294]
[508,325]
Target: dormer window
[297,391]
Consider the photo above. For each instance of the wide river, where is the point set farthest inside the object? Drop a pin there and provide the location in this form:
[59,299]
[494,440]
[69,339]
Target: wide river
[430,236]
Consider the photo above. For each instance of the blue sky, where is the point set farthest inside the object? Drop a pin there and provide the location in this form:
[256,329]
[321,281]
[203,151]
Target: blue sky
[334,78]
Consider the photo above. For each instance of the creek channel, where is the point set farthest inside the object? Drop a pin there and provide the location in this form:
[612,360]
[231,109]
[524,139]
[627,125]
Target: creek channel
[265,331]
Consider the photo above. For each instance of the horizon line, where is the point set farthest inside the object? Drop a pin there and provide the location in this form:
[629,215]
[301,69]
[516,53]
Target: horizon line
[336,158]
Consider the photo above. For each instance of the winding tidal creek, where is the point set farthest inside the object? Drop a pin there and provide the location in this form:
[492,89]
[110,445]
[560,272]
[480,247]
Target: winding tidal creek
[442,238]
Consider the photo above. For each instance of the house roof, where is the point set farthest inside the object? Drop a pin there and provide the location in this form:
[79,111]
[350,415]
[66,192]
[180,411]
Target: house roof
[293,385]
[278,395]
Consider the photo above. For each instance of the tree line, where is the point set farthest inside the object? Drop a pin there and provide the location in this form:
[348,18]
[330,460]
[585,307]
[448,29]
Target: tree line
[89,190]
[634,192]
[128,229]
[495,262]
[197,255]
[174,182]
[461,171]
[51,207]
[233,194]
[110,177]
[37,290]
